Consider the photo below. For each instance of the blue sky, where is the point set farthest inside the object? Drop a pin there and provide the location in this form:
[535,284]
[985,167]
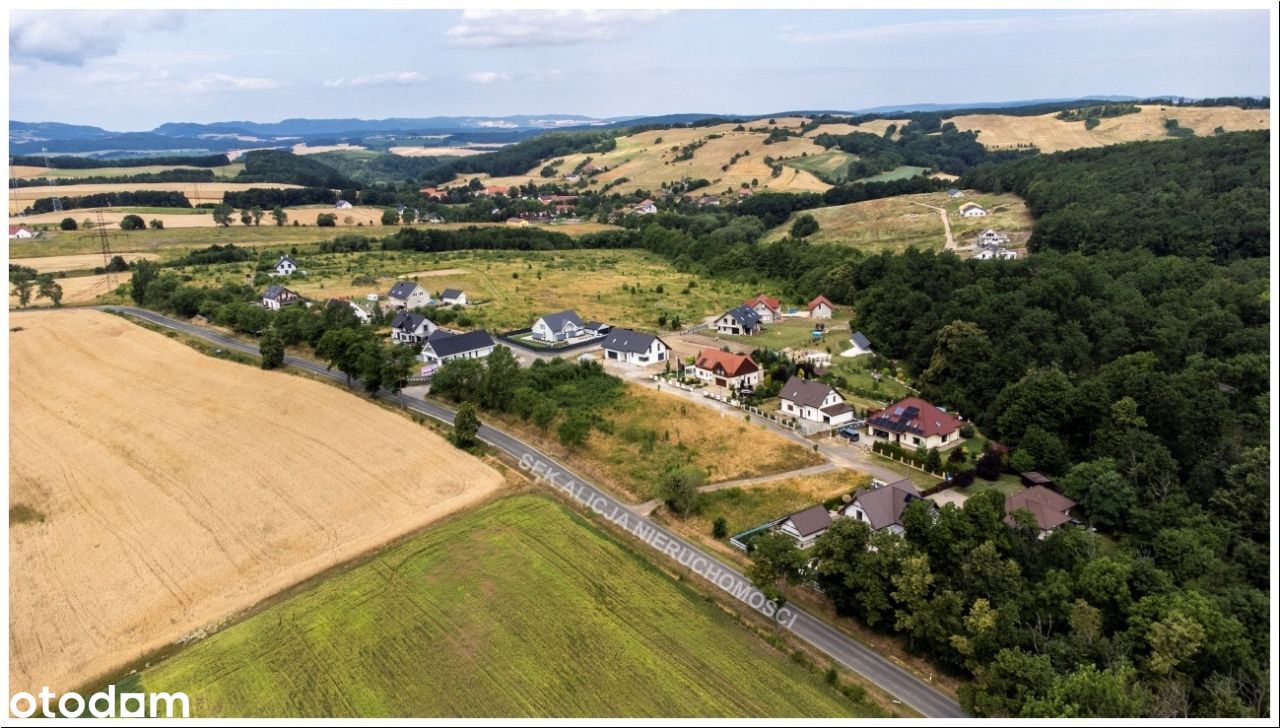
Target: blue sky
[132,70]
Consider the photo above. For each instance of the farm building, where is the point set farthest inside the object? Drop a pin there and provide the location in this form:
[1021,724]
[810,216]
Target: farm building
[560,326]
[804,527]
[768,309]
[821,308]
[635,347]
[972,209]
[881,506]
[861,345]
[442,346]
[411,328]
[1049,509]
[453,297]
[21,232]
[814,401]
[914,422]
[277,297]
[406,295]
[724,369]
[740,321]
[286,266]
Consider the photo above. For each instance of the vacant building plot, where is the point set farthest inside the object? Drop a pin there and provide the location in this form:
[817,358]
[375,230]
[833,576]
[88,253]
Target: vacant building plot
[78,289]
[521,609]
[1050,134]
[197,192]
[164,491]
[753,505]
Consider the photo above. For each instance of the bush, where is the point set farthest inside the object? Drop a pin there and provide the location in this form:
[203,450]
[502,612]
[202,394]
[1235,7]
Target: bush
[68,223]
[719,527]
[132,222]
[967,431]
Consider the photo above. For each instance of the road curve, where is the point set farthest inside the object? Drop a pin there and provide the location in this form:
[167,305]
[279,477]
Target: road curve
[904,686]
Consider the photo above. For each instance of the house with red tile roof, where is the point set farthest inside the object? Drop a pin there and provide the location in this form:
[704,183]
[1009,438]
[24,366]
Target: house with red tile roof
[821,308]
[914,422]
[725,369]
[769,309]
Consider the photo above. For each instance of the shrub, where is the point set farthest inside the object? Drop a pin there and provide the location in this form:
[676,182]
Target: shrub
[719,527]
[68,223]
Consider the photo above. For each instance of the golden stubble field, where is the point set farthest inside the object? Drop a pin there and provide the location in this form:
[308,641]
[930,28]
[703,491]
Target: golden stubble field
[197,192]
[77,290]
[161,491]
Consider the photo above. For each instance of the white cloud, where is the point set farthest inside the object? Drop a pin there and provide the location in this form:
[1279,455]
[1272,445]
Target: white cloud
[488,77]
[227,82]
[69,38]
[403,78]
[530,28]
[976,28]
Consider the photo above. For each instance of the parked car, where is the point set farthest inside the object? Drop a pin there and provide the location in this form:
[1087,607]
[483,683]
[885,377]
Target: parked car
[849,433]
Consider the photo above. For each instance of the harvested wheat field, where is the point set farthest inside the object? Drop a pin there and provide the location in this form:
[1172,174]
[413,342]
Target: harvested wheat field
[81,289]
[160,491]
[303,149]
[21,198]
[86,261]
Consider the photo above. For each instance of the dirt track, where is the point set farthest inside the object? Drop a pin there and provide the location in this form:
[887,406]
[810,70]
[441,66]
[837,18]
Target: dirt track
[176,490]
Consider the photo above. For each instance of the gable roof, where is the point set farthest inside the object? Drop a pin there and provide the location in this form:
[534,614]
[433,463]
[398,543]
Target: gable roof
[634,342]
[810,520]
[771,303]
[453,344]
[917,416]
[284,258]
[275,293]
[861,341]
[407,321]
[451,293]
[403,289]
[1048,507]
[556,321]
[15,228]
[821,299]
[744,315]
[804,392]
[730,365]
[884,505]
[972,206]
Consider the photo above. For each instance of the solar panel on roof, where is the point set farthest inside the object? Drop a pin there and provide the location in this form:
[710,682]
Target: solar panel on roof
[897,410]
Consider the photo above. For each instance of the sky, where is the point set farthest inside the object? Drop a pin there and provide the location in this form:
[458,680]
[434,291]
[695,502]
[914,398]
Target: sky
[133,70]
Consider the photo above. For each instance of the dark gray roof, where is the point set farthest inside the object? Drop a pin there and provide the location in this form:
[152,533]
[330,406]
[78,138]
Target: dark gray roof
[439,334]
[596,326]
[459,343]
[635,342]
[804,392]
[451,293]
[884,505]
[407,321]
[557,320]
[402,289]
[283,258]
[837,409]
[861,340]
[745,316]
[275,292]
[810,520]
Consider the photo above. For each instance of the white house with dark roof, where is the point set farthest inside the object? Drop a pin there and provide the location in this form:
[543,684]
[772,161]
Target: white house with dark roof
[635,347]
[453,297]
[861,345]
[561,326]
[972,209]
[740,321]
[646,207]
[442,346]
[814,401]
[881,506]
[804,527]
[276,297]
[285,267]
[407,295]
[411,328]
[990,238]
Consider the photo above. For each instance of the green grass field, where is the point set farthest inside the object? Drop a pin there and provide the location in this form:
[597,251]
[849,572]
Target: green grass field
[794,333]
[520,609]
[744,508]
[902,172]
[830,167]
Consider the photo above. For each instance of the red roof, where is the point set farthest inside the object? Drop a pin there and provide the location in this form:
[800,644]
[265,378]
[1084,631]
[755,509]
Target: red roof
[820,299]
[497,189]
[772,303]
[725,363]
[1049,508]
[916,416]
[15,228]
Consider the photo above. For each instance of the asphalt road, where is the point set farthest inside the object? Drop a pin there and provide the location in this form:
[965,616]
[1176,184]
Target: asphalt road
[844,649]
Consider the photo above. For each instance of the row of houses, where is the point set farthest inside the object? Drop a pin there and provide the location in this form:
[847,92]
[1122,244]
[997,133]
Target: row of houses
[749,318]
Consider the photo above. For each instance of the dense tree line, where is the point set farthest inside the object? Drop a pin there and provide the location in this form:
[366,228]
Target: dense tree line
[275,165]
[73,162]
[168,175]
[523,156]
[214,254]
[1195,197]
[950,150]
[140,198]
[477,238]
[368,169]
[268,197]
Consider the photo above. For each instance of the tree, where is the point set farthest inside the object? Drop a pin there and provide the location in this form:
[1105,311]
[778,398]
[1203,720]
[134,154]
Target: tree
[132,222]
[144,272]
[390,217]
[246,218]
[271,349]
[279,215]
[256,213]
[222,215]
[326,219]
[990,465]
[459,380]
[933,461]
[804,226]
[1101,491]
[24,287]
[501,377]
[573,431]
[397,367]
[341,349]
[466,426]
[68,223]
[775,564]
[408,216]
[719,527]
[49,289]
[678,488]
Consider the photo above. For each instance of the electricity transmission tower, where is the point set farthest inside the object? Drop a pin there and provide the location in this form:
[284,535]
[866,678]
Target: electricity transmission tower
[53,190]
[106,251]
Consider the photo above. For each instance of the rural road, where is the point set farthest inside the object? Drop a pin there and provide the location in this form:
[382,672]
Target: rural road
[946,224]
[851,653]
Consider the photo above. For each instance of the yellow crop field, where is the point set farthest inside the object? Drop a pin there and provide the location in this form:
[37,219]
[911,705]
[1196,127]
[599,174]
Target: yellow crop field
[21,198]
[303,149]
[1050,134]
[26,172]
[160,492]
[86,261]
[875,126]
[77,290]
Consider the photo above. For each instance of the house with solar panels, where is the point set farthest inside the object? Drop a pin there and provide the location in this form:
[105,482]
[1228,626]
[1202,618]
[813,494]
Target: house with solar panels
[740,321]
[913,423]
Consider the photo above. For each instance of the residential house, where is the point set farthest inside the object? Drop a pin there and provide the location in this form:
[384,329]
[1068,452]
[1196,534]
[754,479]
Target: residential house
[411,328]
[745,192]
[599,328]
[725,369]
[814,401]
[996,254]
[768,309]
[646,207]
[914,422]
[492,190]
[708,201]
[407,295]
[990,238]
[805,526]
[881,506]
[560,326]
[277,297]
[453,297]
[635,347]
[442,346]
[21,232]
[954,193]
[972,209]
[342,205]
[286,266]
[821,308]
[740,321]
[361,315]
[861,345]
[1049,509]
[434,193]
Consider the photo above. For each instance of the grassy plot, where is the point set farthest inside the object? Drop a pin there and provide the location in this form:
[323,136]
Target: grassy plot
[744,508]
[794,333]
[520,609]
[830,167]
[896,173]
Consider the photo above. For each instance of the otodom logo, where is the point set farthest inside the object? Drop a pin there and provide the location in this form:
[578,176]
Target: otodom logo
[102,704]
